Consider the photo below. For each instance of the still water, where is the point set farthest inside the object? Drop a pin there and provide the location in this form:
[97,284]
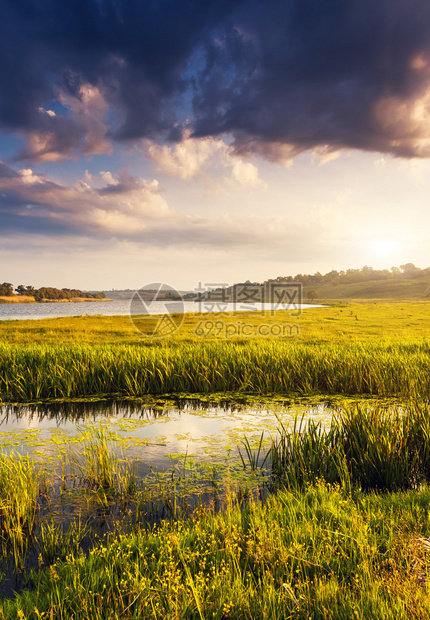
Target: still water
[154,434]
[121,307]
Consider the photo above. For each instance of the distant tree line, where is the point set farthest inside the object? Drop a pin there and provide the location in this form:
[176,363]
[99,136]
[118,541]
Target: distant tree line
[333,278]
[350,276]
[45,292]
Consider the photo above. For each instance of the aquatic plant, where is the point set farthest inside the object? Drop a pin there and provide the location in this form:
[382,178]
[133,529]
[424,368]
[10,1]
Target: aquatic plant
[369,447]
[46,372]
[19,489]
[316,553]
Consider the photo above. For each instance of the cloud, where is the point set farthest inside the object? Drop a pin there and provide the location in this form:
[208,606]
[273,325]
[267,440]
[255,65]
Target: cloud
[280,77]
[123,207]
[133,210]
[81,131]
[246,174]
[187,159]
[193,158]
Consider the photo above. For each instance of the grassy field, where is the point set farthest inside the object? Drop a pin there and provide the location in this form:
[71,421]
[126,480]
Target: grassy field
[412,289]
[35,372]
[377,349]
[343,322]
[313,555]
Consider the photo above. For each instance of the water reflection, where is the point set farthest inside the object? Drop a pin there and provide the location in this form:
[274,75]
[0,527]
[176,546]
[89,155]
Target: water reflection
[154,434]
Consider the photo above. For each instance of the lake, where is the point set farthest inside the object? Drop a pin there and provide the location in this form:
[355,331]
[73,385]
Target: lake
[122,307]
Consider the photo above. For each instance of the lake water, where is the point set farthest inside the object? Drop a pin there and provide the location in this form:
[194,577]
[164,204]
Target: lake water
[122,307]
[153,434]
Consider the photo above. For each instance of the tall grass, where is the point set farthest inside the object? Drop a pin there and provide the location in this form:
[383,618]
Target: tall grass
[100,469]
[315,550]
[312,554]
[43,372]
[19,490]
[368,447]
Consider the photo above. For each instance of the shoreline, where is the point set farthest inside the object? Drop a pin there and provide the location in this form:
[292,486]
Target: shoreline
[31,300]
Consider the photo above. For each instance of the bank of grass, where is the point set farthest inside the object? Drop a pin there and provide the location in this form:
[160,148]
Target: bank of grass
[366,447]
[17,299]
[30,299]
[35,372]
[369,348]
[396,322]
[317,553]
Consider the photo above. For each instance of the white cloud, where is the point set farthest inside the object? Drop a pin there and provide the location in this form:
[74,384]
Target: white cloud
[246,174]
[132,209]
[203,157]
[108,178]
[187,159]
[48,112]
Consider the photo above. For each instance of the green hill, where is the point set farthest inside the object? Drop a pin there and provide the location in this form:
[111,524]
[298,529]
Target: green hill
[416,288]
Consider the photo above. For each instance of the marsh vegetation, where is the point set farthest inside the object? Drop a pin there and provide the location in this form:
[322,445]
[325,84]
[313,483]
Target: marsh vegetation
[330,519]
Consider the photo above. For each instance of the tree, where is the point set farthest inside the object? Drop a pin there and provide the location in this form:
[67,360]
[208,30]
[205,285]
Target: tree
[6,289]
[408,268]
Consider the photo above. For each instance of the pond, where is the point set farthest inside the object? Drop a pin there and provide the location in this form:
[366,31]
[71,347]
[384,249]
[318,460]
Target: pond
[154,433]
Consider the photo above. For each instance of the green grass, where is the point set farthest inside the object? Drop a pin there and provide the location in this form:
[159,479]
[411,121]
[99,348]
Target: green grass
[411,289]
[315,551]
[396,322]
[37,372]
[367,447]
[19,490]
[100,469]
[313,554]
[379,349]
[322,549]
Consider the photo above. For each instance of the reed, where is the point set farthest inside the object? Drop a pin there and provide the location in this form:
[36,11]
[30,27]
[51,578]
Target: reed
[57,542]
[366,447]
[19,490]
[101,469]
[253,455]
[34,372]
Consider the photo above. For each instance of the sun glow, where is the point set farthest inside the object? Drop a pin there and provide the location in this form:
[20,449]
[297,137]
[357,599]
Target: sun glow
[383,247]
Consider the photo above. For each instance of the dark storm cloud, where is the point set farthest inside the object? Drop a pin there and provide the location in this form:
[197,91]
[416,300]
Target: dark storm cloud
[280,76]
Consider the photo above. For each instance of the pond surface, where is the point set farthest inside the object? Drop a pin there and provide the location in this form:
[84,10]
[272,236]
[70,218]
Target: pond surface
[152,434]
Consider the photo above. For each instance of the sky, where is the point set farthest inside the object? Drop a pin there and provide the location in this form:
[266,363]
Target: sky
[211,141]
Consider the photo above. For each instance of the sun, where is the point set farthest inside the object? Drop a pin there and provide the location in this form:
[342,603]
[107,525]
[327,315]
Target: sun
[384,247]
